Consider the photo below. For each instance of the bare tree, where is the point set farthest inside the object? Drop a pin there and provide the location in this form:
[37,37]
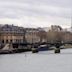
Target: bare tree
[51,36]
[42,35]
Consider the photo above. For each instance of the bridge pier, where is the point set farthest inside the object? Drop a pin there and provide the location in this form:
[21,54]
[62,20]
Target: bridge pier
[34,50]
[57,50]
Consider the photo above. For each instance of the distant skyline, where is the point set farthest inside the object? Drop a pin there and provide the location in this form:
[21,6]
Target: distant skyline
[36,13]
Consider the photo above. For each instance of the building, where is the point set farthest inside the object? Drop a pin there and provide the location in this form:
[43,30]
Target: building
[32,35]
[11,34]
[56,28]
[15,34]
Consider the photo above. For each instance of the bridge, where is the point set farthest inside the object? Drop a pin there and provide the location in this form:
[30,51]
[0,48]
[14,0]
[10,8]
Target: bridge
[35,47]
[56,44]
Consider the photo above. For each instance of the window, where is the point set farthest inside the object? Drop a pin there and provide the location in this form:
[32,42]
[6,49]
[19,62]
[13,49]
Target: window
[2,41]
[10,41]
[6,41]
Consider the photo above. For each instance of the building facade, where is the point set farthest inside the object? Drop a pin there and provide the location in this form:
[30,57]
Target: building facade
[15,34]
[11,34]
[32,35]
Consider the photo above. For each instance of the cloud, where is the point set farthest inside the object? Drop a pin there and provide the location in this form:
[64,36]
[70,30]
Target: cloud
[37,21]
[36,12]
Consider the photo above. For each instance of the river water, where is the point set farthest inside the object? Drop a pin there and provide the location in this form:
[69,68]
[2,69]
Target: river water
[45,61]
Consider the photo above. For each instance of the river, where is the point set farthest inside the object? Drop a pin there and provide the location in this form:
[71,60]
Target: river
[45,61]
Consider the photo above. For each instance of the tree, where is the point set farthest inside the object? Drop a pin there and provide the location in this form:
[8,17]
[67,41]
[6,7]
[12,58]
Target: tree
[54,36]
[42,35]
[51,36]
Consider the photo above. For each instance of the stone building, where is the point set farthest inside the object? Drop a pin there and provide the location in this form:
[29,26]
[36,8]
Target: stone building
[56,28]
[31,35]
[15,34]
[11,34]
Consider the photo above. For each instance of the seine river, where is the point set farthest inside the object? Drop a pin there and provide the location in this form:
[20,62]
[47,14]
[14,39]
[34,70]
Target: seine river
[41,62]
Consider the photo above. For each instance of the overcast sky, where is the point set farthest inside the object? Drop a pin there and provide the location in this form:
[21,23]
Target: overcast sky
[36,13]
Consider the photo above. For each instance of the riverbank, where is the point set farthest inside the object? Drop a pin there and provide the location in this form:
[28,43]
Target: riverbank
[14,51]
